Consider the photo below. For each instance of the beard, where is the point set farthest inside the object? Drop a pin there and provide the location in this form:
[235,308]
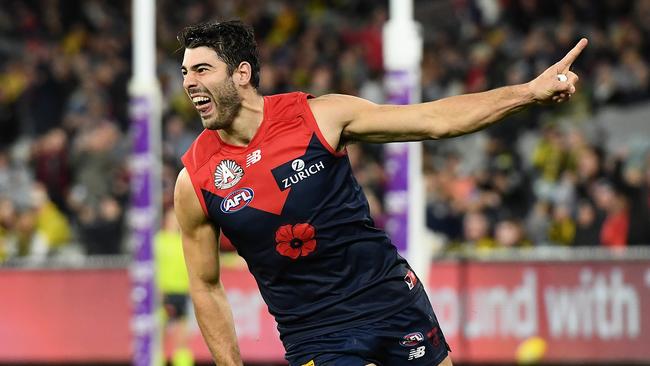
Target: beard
[227,103]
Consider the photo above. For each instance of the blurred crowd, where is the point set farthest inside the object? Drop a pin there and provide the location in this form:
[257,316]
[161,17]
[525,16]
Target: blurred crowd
[542,177]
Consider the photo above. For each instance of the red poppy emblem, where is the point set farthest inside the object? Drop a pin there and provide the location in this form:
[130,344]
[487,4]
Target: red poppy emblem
[295,240]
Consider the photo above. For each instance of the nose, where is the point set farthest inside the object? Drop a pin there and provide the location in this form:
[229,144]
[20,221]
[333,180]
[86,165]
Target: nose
[189,81]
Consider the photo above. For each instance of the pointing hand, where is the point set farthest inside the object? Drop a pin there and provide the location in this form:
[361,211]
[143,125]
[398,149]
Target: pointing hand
[558,83]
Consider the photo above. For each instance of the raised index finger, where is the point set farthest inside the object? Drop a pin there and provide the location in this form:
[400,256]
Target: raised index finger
[565,63]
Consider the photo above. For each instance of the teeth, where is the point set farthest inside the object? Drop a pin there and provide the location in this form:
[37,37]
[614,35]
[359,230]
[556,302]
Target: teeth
[200,99]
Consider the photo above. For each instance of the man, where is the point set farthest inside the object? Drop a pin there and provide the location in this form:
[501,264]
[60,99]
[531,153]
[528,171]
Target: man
[272,173]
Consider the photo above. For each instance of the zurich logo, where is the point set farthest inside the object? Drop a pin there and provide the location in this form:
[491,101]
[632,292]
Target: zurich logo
[412,339]
[298,165]
[237,200]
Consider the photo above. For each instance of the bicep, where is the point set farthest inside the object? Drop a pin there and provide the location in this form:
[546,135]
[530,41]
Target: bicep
[199,235]
[345,119]
[201,252]
[388,123]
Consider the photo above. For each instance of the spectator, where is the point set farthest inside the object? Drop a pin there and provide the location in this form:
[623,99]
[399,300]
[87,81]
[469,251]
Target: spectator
[562,228]
[509,233]
[50,220]
[442,216]
[25,240]
[636,187]
[97,157]
[50,162]
[538,222]
[476,233]
[551,158]
[15,179]
[177,138]
[101,227]
[614,231]
[587,225]
[7,217]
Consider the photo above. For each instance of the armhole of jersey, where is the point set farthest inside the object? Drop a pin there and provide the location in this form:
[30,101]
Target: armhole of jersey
[191,160]
[199,195]
[311,122]
[197,188]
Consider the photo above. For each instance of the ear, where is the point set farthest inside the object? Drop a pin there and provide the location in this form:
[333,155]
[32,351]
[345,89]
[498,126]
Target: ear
[242,74]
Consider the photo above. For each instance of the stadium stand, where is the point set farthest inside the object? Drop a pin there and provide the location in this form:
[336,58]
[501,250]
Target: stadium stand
[574,176]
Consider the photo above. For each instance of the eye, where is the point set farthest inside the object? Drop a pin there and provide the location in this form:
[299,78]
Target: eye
[200,70]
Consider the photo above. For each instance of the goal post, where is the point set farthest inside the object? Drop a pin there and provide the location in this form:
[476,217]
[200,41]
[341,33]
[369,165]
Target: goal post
[145,168]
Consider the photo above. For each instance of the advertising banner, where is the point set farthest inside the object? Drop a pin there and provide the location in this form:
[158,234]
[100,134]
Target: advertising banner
[65,316]
[570,311]
[581,312]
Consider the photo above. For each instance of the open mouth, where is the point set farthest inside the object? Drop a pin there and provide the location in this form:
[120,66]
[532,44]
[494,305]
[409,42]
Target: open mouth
[202,104]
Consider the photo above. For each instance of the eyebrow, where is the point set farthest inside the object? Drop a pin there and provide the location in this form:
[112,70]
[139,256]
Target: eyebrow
[194,67]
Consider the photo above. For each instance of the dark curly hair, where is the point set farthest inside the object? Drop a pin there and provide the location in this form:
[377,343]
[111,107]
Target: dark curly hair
[233,41]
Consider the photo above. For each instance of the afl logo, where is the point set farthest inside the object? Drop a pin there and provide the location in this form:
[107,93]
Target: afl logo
[237,200]
[298,165]
[227,174]
[412,339]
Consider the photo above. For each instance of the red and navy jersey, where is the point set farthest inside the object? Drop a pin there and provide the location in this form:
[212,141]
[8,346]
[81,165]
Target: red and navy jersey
[293,210]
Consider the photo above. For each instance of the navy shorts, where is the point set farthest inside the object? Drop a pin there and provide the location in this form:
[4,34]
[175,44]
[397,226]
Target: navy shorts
[411,337]
[175,305]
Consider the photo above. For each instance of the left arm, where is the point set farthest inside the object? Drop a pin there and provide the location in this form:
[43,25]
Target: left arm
[344,119]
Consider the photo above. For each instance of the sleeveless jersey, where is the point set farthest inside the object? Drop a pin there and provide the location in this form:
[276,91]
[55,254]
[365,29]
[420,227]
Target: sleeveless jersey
[290,205]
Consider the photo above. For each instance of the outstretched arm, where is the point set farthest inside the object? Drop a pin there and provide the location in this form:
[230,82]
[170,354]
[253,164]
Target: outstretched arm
[201,251]
[345,119]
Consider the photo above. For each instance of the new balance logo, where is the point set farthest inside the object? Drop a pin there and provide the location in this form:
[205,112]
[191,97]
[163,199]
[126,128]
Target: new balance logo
[253,157]
[416,352]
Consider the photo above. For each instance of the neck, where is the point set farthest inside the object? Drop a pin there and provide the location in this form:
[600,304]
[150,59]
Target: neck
[248,120]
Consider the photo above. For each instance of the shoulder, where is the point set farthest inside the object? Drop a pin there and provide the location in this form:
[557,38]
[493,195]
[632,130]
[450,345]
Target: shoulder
[186,203]
[183,189]
[336,111]
[332,113]
[328,99]
[338,105]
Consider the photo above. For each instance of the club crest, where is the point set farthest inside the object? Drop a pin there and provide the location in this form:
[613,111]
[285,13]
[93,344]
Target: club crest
[227,174]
